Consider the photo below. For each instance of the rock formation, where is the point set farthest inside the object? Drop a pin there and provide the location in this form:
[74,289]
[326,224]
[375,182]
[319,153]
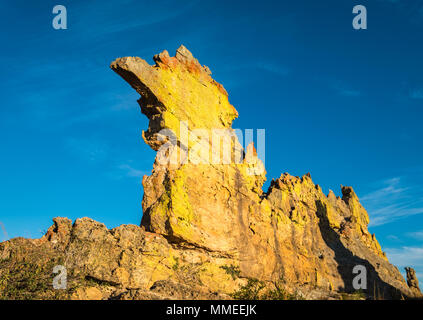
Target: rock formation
[207,227]
[412,280]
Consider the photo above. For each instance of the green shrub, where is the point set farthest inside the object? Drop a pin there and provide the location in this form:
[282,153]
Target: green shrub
[253,290]
[232,270]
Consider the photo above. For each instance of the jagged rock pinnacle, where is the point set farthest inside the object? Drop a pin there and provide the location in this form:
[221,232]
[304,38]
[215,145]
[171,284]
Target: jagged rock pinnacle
[207,226]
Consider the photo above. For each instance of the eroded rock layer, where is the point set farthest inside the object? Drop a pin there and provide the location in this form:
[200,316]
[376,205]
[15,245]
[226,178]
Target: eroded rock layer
[207,226]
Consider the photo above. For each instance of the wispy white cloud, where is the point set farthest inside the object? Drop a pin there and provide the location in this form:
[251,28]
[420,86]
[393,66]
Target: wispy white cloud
[407,257]
[132,172]
[393,237]
[392,201]
[106,21]
[345,90]
[273,68]
[418,235]
[124,102]
[390,1]
[391,187]
[236,74]
[417,94]
[90,148]
[4,232]
[53,85]
[268,66]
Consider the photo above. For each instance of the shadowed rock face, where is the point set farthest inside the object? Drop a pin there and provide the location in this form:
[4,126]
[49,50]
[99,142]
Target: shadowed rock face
[207,226]
[412,280]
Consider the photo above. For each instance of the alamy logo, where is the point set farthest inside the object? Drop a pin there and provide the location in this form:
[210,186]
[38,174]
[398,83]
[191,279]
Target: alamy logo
[360,280]
[60,281]
[212,146]
[360,20]
[60,21]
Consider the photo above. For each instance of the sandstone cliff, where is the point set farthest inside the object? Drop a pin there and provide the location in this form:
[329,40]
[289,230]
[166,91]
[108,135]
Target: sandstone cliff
[208,230]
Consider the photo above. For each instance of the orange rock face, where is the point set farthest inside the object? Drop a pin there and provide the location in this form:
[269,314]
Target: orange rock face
[208,228]
[293,231]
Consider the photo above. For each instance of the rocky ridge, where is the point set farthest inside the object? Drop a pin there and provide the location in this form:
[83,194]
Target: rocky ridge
[208,230]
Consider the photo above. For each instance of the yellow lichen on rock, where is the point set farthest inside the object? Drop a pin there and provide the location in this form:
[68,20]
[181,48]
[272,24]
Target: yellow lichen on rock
[292,231]
[208,229]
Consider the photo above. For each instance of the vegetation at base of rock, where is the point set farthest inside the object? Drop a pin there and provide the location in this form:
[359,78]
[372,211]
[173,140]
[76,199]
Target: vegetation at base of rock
[250,291]
[28,281]
[280,294]
[358,295]
[175,266]
[256,290]
[232,270]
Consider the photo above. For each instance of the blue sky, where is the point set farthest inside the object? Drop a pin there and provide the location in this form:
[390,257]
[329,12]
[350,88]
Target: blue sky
[343,104]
